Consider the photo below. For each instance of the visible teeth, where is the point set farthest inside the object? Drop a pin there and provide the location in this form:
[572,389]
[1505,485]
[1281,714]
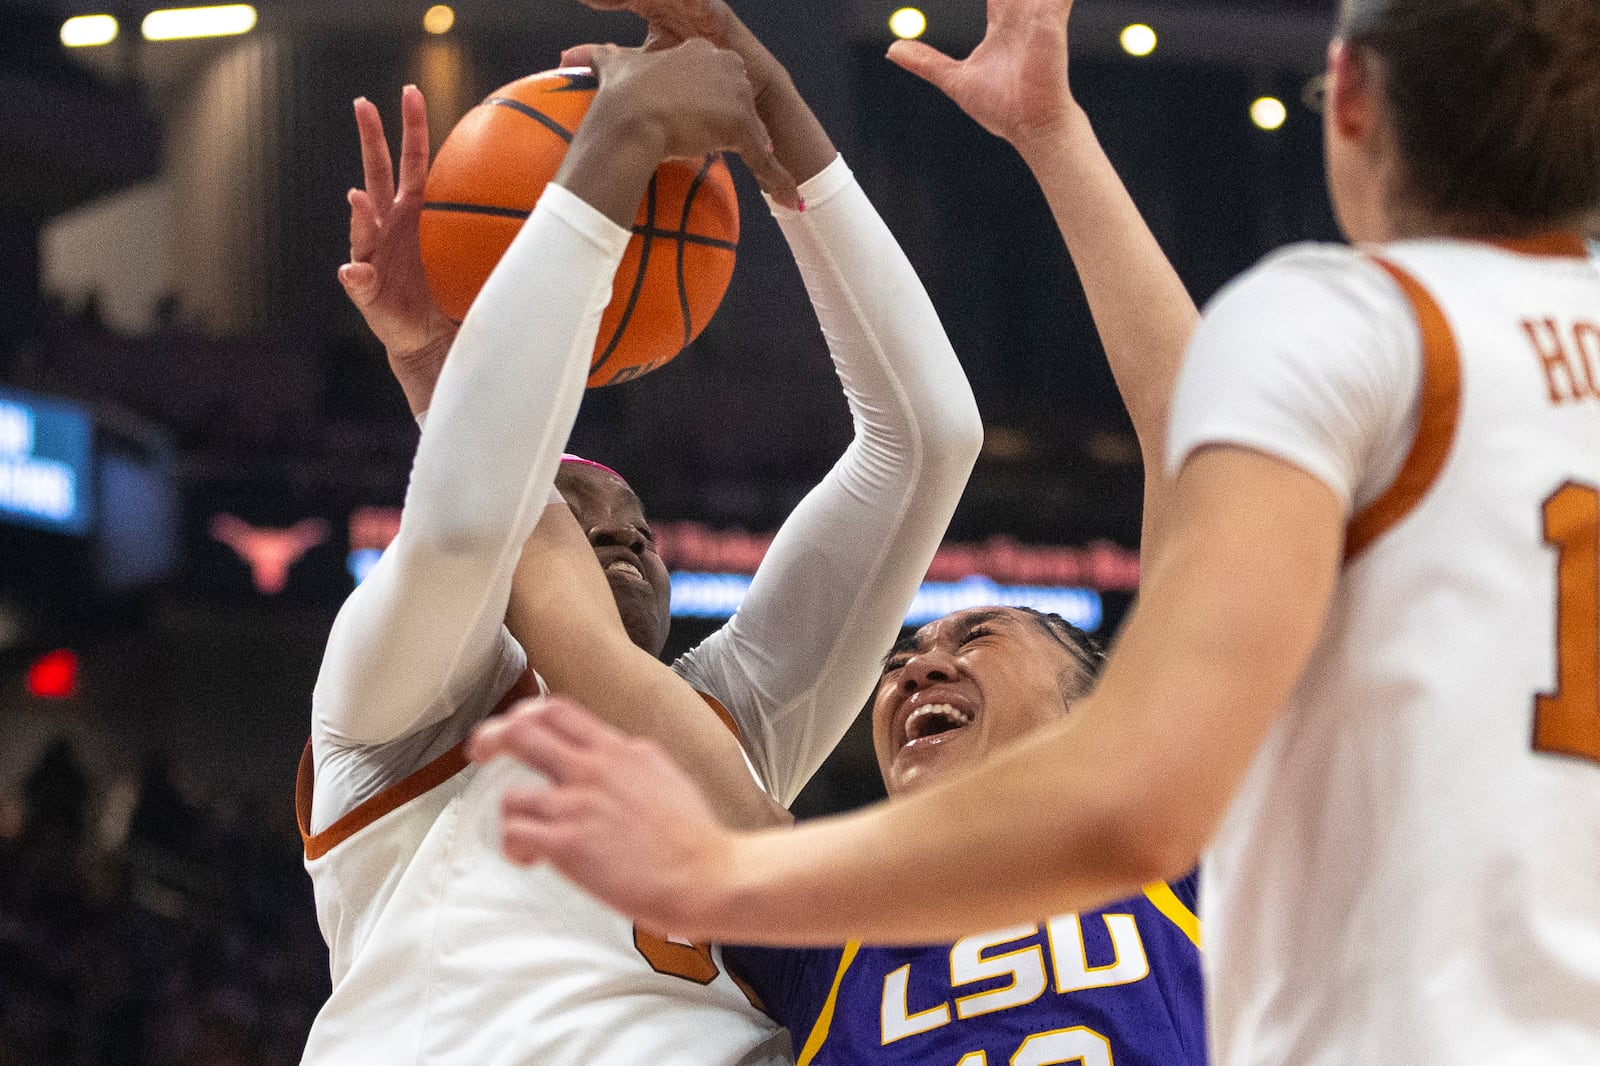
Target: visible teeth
[624,566]
[935,718]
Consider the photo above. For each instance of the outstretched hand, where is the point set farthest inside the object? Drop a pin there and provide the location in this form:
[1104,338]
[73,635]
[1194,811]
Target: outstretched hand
[385,278]
[1014,84]
[618,817]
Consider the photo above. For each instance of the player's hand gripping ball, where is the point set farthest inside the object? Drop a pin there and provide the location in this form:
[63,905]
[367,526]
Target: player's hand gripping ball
[489,175]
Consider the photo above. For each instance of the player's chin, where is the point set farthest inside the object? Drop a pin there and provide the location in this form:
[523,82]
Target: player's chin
[641,614]
[925,762]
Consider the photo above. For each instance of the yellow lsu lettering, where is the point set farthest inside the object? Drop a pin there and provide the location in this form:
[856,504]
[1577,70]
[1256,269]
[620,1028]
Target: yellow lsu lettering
[971,961]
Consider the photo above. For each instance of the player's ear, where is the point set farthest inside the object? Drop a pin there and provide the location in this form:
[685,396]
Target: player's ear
[1352,97]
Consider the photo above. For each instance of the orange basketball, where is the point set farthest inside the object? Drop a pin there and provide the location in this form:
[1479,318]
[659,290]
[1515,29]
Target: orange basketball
[488,176]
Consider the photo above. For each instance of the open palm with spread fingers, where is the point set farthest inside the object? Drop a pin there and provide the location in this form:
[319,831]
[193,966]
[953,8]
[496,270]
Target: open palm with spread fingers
[1014,84]
[385,278]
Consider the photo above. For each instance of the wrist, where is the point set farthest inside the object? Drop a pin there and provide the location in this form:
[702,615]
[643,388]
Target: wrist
[616,149]
[418,368]
[1043,145]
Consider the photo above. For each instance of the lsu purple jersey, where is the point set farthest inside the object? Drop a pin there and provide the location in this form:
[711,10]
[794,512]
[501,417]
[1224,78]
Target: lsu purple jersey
[1114,987]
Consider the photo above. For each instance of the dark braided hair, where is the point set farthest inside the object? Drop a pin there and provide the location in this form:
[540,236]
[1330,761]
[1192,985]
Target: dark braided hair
[1088,654]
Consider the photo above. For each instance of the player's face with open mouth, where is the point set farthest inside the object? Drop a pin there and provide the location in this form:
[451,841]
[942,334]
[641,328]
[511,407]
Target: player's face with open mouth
[961,688]
[613,520]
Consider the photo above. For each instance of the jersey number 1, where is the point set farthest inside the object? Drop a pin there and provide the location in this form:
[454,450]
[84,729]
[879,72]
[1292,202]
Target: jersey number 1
[1567,722]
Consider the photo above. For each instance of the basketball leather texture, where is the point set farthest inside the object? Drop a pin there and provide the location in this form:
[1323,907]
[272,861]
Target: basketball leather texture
[490,173]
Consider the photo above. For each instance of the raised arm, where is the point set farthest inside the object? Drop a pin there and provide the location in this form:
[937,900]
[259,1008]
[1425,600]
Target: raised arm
[802,655]
[1123,793]
[1015,84]
[427,619]
[804,651]
[384,278]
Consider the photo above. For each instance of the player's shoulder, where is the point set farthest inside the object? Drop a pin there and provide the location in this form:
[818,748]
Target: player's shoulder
[1308,278]
[1306,297]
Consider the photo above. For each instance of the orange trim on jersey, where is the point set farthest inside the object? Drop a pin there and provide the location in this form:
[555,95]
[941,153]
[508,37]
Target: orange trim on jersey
[1562,244]
[397,795]
[365,813]
[749,993]
[1439,411]
[722,713]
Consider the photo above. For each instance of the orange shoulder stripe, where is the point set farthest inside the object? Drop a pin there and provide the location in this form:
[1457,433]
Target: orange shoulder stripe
[397,795]
[722,714]
[1560,244]
[365,813]
[1439,412]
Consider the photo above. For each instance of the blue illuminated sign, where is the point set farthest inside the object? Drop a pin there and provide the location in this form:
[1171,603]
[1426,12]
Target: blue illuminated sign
[718,596]
[45,464]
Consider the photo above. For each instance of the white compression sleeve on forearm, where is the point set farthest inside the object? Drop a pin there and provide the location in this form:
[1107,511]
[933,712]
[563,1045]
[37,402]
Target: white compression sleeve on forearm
[804,651]
[429,614]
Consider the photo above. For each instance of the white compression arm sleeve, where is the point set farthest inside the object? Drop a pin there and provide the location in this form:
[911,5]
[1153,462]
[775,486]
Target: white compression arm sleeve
[804,652]
[416,635]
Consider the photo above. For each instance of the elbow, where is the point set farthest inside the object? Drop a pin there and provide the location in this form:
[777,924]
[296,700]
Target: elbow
[953,433]
[962,435]
[1142,841]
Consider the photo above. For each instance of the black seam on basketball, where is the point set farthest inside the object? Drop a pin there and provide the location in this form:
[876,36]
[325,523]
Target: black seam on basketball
[577,83]
[683,230]
[687,238]
[474,209]
[638,281]
[534,113]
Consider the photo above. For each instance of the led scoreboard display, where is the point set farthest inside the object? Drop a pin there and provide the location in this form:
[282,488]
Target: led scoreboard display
[46,463]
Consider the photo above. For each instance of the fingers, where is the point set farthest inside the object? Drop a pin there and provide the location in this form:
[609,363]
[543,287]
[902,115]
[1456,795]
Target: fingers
[756,150]
[925,61]
[360,281]
[603,57]
[557,738]
[413,141]
[364,226]
[535,821]
[579,55]
[659,39]
[376,164]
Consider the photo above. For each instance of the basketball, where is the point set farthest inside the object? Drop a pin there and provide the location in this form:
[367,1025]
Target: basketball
[490,173]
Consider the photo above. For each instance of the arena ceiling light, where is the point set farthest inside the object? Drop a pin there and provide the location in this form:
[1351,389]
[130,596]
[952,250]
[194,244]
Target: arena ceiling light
[1139,40]
[908,23]
[183,23]
[439,19]
[1269,113]
[87,31]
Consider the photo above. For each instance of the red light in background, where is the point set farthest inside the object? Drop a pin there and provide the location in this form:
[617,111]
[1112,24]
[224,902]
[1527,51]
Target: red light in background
[54,676]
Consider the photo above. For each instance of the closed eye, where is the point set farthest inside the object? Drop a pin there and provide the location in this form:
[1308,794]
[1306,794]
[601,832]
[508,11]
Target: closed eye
[975,633]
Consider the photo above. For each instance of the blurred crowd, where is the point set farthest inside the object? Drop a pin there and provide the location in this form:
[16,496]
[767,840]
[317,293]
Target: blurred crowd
[144,923]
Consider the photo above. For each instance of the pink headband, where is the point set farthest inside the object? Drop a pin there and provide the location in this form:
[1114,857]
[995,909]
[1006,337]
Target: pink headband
[570,458]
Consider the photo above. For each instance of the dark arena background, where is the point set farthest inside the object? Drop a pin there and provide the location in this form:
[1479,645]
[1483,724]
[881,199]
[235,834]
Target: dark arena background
[200,445]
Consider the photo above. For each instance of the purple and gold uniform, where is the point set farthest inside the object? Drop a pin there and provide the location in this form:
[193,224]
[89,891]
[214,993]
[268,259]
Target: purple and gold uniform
[1115,987]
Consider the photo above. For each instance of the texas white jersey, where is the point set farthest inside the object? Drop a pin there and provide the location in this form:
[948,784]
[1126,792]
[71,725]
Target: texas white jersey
[442,952]
[445,953]
[1410,873]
